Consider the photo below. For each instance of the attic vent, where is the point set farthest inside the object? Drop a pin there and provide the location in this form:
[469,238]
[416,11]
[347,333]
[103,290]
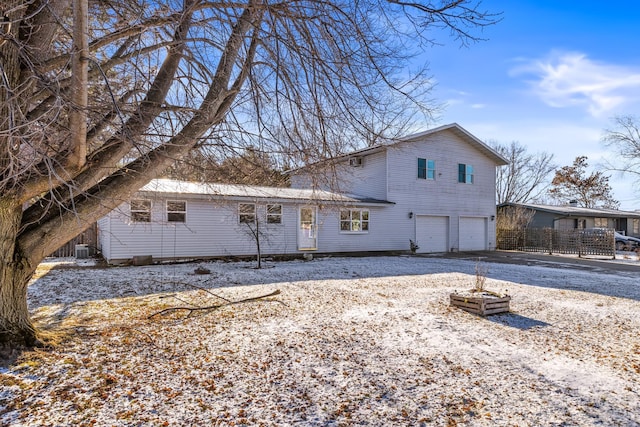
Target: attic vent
[355,161]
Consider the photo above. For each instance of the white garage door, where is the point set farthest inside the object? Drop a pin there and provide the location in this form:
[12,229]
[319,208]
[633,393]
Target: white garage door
[432,233]
[473,234]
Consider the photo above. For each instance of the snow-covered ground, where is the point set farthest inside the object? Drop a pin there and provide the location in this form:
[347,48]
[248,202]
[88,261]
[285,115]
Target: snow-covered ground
[349,341]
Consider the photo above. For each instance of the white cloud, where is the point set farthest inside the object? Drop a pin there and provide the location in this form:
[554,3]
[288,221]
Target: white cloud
[572,79]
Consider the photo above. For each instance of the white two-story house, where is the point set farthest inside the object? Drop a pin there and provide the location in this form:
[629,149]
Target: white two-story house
[435,188]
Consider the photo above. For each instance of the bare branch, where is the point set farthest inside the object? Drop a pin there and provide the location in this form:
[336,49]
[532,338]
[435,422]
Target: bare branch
[191,310]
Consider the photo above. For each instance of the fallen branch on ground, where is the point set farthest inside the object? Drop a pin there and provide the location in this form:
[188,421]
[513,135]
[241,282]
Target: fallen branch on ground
[191,310]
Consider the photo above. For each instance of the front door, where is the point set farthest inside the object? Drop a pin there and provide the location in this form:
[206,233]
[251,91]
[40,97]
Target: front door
[307,228]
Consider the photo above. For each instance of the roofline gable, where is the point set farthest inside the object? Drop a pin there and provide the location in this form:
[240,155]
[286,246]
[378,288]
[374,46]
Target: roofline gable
[454,127]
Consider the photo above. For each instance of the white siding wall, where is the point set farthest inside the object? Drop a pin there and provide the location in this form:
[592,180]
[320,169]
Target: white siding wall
[443,196]
[331,239]
[104,236]
[211,229]
[368,180]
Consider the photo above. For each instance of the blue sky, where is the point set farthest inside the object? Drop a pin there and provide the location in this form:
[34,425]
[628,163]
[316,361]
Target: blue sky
[551,75]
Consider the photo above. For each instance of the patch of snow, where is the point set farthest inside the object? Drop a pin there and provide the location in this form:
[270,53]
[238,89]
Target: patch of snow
[349,341]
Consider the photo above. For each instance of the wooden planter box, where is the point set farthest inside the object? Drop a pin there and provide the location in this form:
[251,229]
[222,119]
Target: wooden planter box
[482,305]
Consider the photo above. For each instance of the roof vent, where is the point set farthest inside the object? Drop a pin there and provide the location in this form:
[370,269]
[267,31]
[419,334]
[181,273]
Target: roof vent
[573,203]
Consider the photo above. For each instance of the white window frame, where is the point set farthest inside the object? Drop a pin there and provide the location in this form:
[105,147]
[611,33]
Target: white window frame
[274,217]
[176,213]
[246,217]
[136,213]
[355,219]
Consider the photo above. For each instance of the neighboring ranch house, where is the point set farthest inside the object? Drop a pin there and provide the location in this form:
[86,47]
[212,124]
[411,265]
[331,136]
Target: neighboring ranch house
[571,216]
[436,188]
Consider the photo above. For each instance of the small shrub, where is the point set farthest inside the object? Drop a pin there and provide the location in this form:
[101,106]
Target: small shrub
[481,277]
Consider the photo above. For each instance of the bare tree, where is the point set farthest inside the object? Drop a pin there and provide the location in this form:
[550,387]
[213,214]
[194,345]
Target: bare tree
[514,217]
[572,183]
[250,167]
[625,139]
[526,177]
[97,98]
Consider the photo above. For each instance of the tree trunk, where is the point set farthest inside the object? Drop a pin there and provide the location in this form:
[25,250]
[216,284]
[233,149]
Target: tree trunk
[16,329]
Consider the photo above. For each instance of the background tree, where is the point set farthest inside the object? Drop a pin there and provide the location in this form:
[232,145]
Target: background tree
[97,98]
[572,183]
[526,177]
[251,167]
[625,140]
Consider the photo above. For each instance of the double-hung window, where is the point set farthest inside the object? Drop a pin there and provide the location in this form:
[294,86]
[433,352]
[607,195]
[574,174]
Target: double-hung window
[426,169]
[274,214]
[354,220]
[247,213]
[140,210]
[465,173]
[601,222]
[176,211]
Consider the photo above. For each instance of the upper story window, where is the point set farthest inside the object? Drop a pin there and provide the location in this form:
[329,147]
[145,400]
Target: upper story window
[274,214]
[465,173]
[246,213]
[140,210]
[176,211]
[426,169]
[355,220]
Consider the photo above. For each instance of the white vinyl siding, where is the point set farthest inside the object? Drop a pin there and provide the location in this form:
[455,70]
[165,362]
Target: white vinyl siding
[213,231]
[369,180]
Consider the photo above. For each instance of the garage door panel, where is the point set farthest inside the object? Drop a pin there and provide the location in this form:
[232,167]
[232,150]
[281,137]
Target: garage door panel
[473,234]
[432,233]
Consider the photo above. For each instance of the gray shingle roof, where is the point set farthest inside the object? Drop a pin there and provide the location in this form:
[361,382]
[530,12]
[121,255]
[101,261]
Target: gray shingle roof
[578,211]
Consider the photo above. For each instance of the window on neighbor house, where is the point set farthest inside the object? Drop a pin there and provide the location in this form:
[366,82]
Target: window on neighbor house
[140,210]
[354,220]
[635,227]
[176,211]
[274,214]
[601,222]
[247,213]
[465,173]
[426,169]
